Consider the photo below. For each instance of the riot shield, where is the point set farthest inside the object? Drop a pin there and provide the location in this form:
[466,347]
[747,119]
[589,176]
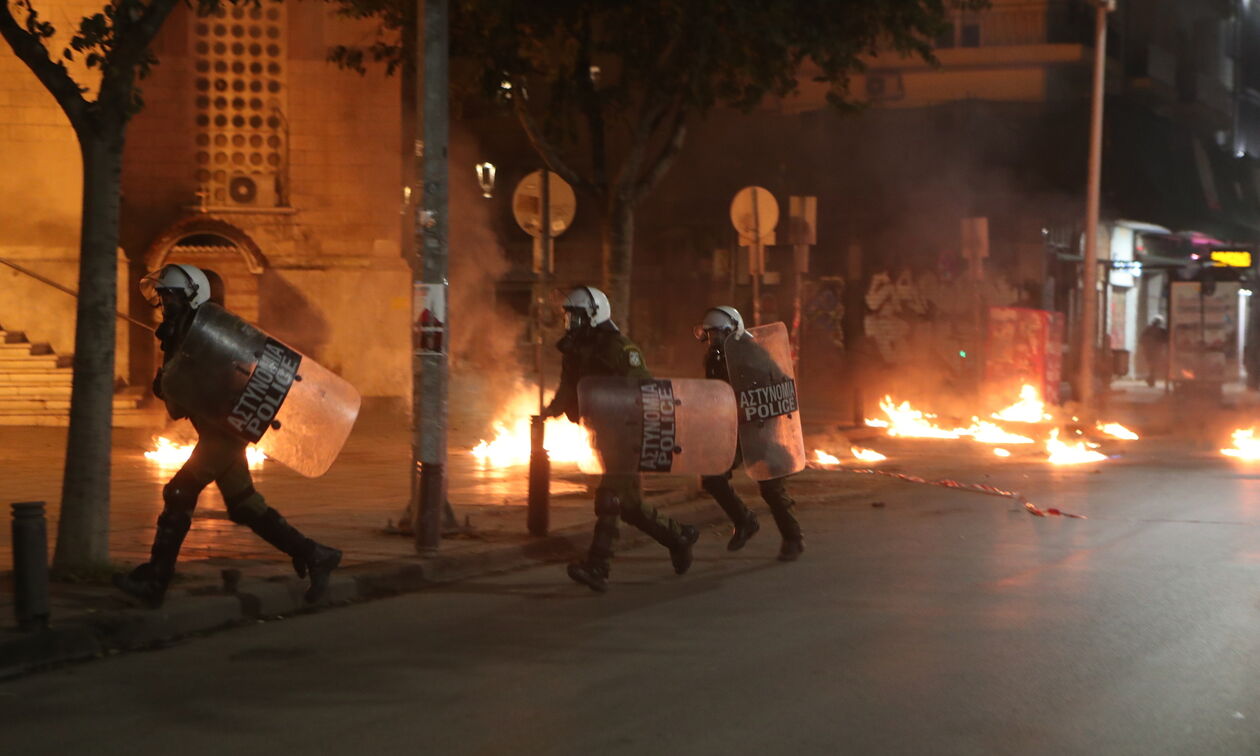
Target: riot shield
[229,373]
[760,367]
[674,426]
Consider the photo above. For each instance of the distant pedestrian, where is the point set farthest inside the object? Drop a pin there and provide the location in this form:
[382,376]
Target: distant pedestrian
[1154,345]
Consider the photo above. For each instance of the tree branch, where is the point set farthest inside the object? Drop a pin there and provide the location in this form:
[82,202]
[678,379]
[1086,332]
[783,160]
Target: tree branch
[54,76]
[543,146]
[133,38]
[665,159]
[654,110]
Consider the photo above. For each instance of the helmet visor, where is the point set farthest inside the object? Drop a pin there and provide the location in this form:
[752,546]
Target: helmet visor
[576,318]
[149,289]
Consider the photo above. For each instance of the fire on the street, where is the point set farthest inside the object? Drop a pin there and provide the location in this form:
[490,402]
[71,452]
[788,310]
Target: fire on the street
[866,455]
[1116,430]
[1029,408]
[566,442]
[1246,446]
[1074,453]
[167,453]
[862,455]
[905,421]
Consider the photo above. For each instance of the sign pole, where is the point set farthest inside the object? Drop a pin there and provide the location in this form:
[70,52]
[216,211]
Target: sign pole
[431,333]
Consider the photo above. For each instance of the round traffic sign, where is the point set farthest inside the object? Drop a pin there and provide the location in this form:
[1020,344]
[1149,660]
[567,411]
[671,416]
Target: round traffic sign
[527,204]
[754,213]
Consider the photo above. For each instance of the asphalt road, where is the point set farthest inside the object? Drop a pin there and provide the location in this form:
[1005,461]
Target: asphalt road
[937,623]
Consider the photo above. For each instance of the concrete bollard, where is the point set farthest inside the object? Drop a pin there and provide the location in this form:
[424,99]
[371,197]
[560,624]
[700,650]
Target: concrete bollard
[30,565]
[538,517]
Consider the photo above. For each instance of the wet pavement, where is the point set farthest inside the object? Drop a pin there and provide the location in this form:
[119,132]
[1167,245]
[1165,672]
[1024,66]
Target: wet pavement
[920,620]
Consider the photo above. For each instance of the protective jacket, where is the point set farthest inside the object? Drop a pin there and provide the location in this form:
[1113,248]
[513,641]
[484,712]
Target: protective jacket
[598,351]
[170,335]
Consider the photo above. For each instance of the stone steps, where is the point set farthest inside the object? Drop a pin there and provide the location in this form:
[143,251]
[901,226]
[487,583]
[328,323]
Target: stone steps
[35,387]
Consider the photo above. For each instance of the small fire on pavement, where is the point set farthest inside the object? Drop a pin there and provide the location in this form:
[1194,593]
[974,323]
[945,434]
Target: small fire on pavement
[1246,446]
[170,454]
[905,421]
[566,442]
[862,455]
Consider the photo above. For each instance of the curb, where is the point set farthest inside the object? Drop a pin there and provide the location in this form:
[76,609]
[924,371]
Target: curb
[192,612]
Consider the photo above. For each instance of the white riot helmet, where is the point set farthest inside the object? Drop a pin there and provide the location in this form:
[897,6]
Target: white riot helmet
[185,279]
[724,320]
[586,307]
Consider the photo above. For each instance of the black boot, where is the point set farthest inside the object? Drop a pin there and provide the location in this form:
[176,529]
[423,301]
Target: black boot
[148,582]
[593,575]
[781,505]
[680,551]
[791,550]
[745,522]
[309,557]
[743,532]
[592,572]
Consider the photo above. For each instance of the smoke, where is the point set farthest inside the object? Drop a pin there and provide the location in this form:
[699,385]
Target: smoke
[484,333]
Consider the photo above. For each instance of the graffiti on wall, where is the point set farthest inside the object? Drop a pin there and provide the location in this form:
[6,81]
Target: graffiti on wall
[918,317]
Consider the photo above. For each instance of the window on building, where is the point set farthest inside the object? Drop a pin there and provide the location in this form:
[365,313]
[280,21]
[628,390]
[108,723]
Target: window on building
[241,130]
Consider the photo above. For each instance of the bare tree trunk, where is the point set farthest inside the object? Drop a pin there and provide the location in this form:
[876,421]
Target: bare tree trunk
[83,526]
[618,258]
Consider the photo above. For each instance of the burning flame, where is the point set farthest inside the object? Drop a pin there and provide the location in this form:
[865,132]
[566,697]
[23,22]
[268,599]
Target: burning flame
[171,454]
[1029,408]
[565,441]
[823,458]
[1062,453]
[1001,453]
[907,422]
[866,455]
[1246,445]
[1116,430]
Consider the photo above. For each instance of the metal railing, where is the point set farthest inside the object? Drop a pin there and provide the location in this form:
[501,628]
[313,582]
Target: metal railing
[67,290]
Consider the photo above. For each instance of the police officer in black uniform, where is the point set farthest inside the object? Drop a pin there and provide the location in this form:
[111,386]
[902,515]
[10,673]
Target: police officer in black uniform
[593,346]
[219,457]
[720,324]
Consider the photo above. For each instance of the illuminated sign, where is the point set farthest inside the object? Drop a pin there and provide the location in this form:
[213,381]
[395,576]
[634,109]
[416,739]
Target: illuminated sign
[1229,258]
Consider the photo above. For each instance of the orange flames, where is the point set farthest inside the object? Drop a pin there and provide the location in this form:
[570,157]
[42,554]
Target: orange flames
[1078,452]
[566,442]
[862,455]
[905,421]
[1246,446]
[170,454]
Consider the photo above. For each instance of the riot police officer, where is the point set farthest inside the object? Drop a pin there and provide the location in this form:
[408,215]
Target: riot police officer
[719,325]
[593,346]
[218,457]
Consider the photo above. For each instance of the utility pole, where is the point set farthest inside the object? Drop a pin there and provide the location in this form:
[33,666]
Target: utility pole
[431,334]
[1089,274]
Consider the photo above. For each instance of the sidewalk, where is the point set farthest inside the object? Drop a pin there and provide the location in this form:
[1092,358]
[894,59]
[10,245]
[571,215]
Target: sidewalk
[351,508]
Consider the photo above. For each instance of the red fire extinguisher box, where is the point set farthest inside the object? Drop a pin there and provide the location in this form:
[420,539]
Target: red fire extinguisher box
[1024,346]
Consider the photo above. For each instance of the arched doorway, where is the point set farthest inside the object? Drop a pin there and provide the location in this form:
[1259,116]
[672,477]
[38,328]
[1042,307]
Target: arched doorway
[219,246]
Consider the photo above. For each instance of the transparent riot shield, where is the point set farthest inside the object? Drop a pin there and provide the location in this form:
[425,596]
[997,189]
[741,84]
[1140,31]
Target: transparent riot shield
[676,426]
[760,367]
[229,373]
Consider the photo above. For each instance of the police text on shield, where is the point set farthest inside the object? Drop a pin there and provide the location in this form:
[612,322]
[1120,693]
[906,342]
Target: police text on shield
[765,402]
[660,426]
[266,391]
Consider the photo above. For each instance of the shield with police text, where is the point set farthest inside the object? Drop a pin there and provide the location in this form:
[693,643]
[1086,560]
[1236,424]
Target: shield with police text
[231,374]
[759,364]
[668,426]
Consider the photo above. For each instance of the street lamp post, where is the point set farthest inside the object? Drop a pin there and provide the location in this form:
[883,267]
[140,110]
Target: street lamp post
[1089,272]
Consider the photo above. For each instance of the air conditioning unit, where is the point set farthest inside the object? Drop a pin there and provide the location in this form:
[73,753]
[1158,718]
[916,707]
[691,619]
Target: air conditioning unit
[884,86]
[252,190]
